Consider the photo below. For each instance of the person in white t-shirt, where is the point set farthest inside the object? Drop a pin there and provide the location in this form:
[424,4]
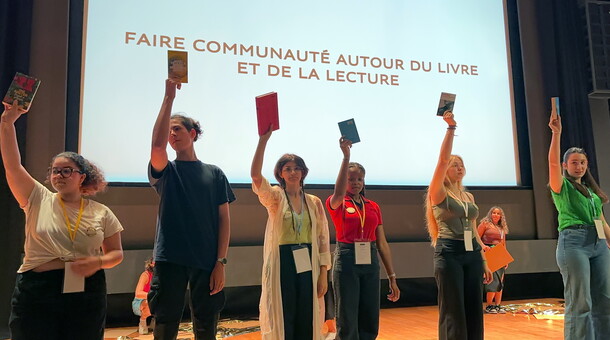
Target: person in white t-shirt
[69,240]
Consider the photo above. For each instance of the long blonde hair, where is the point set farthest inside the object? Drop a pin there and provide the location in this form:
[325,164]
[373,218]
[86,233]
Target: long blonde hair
[431,222]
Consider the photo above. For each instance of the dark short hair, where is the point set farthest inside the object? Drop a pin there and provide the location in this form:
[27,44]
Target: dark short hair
[289,157]
[189,123]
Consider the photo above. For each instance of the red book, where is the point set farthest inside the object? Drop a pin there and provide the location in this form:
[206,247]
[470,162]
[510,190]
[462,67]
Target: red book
[267,113]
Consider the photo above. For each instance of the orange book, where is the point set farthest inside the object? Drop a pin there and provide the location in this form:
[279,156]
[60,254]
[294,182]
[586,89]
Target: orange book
[177,66]
[498,257]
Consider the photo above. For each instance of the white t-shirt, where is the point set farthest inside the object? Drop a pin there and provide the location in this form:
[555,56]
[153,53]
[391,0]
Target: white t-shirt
[46,233]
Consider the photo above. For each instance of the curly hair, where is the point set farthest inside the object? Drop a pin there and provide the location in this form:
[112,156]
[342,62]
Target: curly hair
[94,177]
[189,123]
[502,223]
[289,157]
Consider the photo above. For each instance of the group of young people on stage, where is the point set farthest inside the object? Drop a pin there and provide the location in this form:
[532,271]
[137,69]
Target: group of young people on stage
[68,234]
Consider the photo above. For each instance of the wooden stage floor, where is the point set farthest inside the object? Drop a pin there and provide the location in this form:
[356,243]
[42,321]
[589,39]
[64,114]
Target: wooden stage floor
[421,323]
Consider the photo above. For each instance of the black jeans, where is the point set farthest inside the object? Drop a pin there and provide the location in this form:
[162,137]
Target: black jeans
[459,277]
[357,291]
[297,297]
[39,309]
[166,301]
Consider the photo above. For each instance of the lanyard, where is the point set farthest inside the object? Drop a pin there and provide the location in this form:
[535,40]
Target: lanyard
[72,230]
[361,216]
[593,208]
[460,202]
[297,219]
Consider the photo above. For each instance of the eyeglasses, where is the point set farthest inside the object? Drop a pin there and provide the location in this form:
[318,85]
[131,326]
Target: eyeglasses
[64,172]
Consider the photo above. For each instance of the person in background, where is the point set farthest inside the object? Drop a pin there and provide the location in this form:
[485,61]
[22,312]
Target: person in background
[493,229]
[139,304]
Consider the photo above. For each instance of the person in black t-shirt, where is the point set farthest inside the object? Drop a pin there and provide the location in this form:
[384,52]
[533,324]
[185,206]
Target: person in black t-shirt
[192,227]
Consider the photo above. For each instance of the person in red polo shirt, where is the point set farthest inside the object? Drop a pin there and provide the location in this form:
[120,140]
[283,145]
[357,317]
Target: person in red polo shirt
[359,233]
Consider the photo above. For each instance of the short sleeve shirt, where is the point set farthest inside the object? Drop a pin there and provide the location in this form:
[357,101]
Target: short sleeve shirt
[574,208]
[187,223]
[347,220]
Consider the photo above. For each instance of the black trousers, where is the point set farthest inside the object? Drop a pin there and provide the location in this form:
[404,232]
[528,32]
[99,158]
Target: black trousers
[297,297]
[40,311]
[166,301]
[459,277]
[357,290]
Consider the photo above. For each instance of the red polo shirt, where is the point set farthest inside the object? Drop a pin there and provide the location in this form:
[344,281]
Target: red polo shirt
[347,220]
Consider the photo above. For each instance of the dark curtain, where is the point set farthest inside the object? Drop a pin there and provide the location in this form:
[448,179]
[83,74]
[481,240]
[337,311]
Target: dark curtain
[573,75]
[15,31]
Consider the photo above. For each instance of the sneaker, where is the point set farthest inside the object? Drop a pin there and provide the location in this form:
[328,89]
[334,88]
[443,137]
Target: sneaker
[500,310]
[491,309]
[331,336]
[142,327]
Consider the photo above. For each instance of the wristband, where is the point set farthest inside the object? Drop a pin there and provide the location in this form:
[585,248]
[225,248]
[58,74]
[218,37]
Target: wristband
[451,127]
[390,276]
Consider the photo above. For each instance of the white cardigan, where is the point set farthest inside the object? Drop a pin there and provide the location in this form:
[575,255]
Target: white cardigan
[271,313]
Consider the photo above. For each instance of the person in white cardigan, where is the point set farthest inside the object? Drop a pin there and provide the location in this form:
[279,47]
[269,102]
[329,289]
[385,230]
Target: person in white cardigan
[296,250]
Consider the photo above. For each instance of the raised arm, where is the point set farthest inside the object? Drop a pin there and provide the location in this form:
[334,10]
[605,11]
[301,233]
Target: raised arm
[19,180]
[437,189]
[341,185]
[259,155]
[160,135]
[555,176]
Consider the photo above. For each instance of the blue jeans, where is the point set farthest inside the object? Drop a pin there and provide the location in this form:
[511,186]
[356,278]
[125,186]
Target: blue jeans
[584,262]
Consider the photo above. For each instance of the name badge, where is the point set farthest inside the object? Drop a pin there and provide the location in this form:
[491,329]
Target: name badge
[363,252]
[302,262]
[468,240]
[599,226]
[73,283]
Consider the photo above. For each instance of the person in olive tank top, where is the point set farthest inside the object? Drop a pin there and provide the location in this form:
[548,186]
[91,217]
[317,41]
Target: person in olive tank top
[460,268]
[582,256]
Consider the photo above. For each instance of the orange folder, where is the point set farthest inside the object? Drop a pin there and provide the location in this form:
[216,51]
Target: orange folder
[498,257]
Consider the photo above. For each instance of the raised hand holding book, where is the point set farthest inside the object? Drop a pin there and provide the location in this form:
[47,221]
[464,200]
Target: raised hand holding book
[348,130]
[446,103]
[267,112]
[177,66]
[22,89]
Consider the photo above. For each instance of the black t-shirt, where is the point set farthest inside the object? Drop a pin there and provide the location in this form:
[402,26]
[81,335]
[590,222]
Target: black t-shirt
[187,223]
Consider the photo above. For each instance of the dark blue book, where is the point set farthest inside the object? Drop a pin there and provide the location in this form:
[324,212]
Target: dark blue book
[349,131]
[446,103]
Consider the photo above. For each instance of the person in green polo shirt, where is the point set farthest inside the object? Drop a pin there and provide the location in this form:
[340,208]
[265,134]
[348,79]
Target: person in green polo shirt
[583,256]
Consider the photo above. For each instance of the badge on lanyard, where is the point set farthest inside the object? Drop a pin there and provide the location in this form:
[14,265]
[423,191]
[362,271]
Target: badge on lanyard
[599,226]
[302,262]
[468,240]
[363,252]
[73,283]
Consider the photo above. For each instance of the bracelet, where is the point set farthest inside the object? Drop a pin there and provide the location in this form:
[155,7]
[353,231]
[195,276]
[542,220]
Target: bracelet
[390,276]
[451,127]
[101,262]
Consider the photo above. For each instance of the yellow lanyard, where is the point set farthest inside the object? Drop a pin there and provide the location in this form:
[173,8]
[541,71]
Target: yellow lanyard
[72,230]
[361,216]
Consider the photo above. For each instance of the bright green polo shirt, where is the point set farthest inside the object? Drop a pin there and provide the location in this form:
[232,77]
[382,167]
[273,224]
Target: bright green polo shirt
[574,208]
